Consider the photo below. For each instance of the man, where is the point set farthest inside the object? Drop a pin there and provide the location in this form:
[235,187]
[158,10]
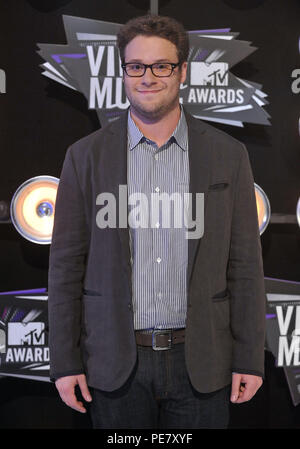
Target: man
[156,329]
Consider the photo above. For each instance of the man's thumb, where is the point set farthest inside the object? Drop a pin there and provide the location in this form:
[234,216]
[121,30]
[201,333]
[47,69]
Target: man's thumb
[84,388]
[235,387]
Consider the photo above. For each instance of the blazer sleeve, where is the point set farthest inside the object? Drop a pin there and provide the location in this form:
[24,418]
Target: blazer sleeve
[68,251]
[245,276]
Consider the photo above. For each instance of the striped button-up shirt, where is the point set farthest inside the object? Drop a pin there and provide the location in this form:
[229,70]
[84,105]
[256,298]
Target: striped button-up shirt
[159,248]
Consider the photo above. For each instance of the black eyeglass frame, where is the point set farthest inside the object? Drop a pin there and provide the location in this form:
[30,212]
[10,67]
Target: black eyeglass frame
[150,66]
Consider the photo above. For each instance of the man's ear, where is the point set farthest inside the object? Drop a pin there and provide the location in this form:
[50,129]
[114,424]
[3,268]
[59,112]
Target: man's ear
[183,70]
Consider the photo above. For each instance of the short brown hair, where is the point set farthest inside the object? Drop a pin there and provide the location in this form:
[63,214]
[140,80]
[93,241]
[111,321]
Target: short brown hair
[153,25]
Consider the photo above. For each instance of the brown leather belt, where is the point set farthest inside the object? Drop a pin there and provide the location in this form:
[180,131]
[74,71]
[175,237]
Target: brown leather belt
[160,339]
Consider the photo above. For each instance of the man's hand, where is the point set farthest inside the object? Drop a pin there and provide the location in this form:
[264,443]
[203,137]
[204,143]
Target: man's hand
[66,388]
[244,387]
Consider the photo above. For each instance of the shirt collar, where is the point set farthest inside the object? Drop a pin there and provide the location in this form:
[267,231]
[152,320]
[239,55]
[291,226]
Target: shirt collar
[135,136]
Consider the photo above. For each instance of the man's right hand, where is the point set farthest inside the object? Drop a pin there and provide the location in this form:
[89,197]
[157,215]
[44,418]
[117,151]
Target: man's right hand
[66,388]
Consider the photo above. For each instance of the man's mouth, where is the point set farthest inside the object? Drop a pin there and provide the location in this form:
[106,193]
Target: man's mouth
[148,91]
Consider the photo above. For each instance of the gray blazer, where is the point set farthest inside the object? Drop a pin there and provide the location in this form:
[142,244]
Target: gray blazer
[90,307]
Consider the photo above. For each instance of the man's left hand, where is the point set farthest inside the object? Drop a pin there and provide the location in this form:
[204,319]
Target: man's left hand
[244,387]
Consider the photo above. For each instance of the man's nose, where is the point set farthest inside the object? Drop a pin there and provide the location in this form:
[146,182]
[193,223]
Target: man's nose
[148,77]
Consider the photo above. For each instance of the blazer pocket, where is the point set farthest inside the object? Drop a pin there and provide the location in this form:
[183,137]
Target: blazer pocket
[218,186]
[221,296]
[91,293]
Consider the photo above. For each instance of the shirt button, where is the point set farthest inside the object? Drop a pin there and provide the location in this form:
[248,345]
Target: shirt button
[157,189]
[158,260]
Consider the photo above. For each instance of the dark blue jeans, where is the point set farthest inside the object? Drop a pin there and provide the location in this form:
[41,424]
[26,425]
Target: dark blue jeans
[159,395]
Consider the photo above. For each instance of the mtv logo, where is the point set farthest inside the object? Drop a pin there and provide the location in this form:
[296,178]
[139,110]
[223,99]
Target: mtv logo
[215,74]
[26,334]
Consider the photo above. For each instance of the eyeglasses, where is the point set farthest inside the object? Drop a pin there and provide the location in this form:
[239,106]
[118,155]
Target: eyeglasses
[159,69]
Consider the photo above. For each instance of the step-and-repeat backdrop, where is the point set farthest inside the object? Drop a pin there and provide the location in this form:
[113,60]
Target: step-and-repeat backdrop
[74,85]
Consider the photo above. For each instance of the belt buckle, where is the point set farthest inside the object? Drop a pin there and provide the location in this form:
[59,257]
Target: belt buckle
[161,332]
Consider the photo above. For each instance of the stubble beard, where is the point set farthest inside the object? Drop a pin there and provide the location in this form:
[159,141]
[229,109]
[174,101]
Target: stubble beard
[155,111]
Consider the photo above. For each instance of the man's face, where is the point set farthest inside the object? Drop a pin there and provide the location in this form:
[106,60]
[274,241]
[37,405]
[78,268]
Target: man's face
[150,97]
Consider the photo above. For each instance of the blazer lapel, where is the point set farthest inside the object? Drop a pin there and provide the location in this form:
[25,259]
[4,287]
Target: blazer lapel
[200,166]
[116,163]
